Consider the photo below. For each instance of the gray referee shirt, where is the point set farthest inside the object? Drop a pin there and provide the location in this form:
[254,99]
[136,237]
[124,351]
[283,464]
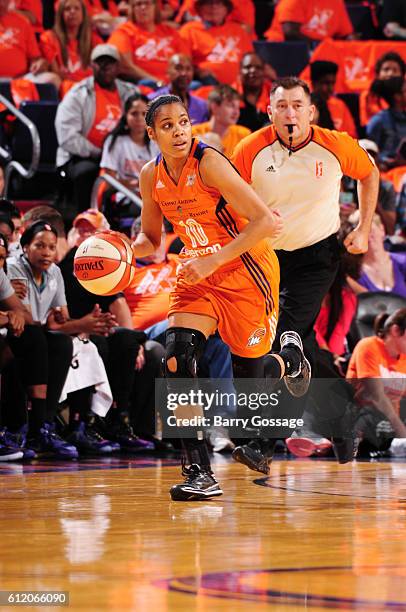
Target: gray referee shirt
[40,299]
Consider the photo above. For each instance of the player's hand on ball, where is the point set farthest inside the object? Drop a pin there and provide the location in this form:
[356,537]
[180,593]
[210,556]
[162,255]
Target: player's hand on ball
[119,234]
[195,270]
[356,242]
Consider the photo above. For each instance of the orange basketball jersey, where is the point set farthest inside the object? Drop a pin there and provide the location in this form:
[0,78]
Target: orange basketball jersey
[200,216]
[241,295]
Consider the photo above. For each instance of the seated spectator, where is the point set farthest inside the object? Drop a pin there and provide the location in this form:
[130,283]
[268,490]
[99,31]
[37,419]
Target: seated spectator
[41,290]
[388,127]
[8,208]
[388,66]
[31,10]
[216,45]
[125,151]
[313,21]
[224,105]
[19,52]
[6,226]
[242,13]
[26,342]
[180,74]
[1,178]
[52,217]
[386,206]
[378,371]
[401,206]
[322,114]
[254,89]
[393,19]
[45,291]
[323,76]
[104,16]
[86,115]
[131,362]
[146,44]
[380,270]
[336,314]
[68,45]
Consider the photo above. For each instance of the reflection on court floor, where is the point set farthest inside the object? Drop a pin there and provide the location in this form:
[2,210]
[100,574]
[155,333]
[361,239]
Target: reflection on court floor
[312,536]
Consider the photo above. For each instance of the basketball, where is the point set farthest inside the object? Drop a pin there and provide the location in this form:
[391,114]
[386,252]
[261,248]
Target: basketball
[104,263]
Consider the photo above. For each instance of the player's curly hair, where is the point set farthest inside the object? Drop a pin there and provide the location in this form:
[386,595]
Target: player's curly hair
[156,104]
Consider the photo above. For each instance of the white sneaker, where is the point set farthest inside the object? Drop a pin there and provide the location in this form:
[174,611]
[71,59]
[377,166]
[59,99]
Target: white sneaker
[398,447]
[298,382]
[220,440]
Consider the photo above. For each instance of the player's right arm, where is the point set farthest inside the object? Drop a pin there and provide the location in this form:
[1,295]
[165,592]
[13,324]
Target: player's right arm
[149,238]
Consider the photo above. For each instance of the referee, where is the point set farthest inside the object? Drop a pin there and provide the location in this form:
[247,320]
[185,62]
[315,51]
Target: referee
[297,167]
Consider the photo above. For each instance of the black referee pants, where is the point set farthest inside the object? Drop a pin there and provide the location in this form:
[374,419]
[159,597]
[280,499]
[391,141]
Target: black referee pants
[306,277]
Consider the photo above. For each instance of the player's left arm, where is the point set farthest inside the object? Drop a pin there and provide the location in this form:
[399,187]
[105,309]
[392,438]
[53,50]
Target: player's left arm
[217,172]
[149,238]
[357,241]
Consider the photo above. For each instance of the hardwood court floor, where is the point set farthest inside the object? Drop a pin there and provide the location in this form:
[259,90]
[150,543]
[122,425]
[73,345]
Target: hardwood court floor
[313,536]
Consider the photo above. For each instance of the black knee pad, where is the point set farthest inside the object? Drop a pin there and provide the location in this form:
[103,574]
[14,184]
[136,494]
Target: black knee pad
[187,346]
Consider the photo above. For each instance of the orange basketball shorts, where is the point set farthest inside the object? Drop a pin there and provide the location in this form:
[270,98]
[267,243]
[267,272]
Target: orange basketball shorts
[243,298]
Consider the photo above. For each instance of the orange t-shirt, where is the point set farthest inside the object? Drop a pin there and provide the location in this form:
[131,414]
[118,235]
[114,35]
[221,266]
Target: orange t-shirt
[243,12]
[95,7]
[355,61]
[341,116]
[33,6]
[319,19]
[370,359]
[218,49]
[108,112]
[17,45]
[370,105]
[231,138]
[150,50]
[51,50]
[148,294]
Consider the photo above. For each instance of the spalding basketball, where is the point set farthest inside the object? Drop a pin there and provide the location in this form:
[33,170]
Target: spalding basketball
[104,263]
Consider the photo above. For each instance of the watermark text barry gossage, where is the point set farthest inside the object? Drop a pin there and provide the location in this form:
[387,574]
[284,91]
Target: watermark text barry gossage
[211,403]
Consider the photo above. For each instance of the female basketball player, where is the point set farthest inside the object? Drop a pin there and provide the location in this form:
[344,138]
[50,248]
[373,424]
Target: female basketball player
[229,278]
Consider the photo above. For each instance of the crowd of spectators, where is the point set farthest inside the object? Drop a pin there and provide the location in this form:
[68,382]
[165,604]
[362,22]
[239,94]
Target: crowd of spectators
[106,60]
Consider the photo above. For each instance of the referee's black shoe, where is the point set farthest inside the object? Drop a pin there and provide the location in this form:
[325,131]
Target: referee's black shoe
[297,383]
[345,449]
[256,455]
[199,484]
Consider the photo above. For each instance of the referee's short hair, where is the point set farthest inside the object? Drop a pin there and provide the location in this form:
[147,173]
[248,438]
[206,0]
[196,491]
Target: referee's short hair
[290,82]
